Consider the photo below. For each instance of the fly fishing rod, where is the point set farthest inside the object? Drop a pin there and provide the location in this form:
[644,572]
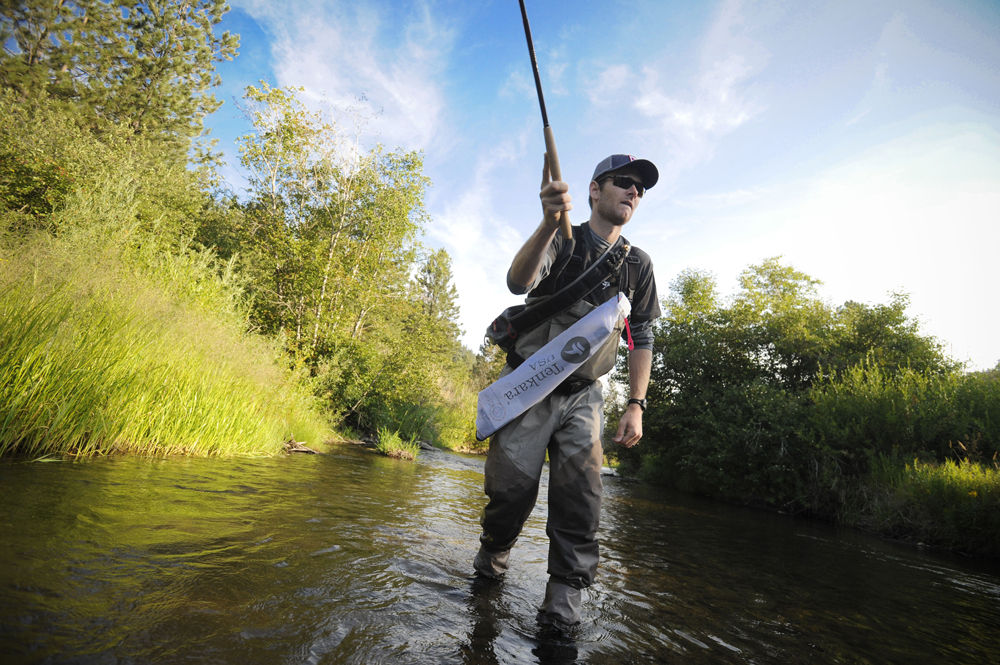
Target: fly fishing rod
[550,142]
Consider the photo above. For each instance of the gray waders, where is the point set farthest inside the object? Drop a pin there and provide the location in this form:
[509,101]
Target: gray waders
[569,428]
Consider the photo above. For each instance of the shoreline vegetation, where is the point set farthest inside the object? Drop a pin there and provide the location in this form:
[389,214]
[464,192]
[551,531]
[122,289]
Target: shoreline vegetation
[390,444]
[774,398]
[96,359]
[146,309]
[950,506]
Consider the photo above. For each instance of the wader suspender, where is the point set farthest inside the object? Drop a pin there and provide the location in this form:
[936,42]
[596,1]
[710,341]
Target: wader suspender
[597,274]
[531,316]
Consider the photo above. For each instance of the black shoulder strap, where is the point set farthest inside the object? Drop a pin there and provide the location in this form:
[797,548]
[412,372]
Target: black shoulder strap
[568,251]
[567,265]
[607,265]
[629,279]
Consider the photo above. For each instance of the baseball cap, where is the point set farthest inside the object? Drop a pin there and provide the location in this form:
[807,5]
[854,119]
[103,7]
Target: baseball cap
[643,168]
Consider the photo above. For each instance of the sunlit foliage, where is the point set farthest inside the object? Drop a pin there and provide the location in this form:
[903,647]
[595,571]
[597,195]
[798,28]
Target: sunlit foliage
[777,398]
[328,242]
[103,103]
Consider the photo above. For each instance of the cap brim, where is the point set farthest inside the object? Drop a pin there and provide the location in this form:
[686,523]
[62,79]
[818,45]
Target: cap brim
[644,168]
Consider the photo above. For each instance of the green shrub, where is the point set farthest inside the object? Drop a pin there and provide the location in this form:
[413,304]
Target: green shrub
[953,505]
[58,172]
[865,412]
[390,444]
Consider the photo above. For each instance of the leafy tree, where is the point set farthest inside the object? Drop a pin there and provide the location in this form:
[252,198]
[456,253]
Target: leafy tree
[489,362]
[886,335]
[55,174]
[745,395]
[328,242]
[436,292]
[329,231]
[148,65]
[783,320]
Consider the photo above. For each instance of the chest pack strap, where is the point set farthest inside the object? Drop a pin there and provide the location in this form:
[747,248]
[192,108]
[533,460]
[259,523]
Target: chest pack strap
[628,282]
[606,267]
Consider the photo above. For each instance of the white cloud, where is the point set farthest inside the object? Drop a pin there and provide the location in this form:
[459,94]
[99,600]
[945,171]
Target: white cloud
[481,242]
[918,214]
[354,60]
[720,200]
[517,84]
[610,83]
[715,102]
[554,73]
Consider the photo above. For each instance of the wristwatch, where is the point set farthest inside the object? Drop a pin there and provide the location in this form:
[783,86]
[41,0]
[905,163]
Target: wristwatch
[640,402]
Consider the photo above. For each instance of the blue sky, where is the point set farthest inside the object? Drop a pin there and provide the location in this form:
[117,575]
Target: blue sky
[859,140]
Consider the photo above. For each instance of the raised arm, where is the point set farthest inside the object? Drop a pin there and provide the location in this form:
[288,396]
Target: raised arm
[555,199]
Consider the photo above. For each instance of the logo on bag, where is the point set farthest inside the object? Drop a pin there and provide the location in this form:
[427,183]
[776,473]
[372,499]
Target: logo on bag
[498,411]
[576,350]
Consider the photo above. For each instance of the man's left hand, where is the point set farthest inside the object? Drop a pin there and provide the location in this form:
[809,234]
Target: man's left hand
[629,427]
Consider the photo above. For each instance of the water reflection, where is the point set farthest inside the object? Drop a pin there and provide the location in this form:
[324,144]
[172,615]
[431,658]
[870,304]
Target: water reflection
[485,603]
[355,558]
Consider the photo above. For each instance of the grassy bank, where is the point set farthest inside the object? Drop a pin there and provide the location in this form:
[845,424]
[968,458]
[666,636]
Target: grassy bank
[954,505]
[391,444]
[98,355]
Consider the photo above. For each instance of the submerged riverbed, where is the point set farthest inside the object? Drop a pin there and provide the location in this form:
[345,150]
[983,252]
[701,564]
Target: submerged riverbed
[355,558]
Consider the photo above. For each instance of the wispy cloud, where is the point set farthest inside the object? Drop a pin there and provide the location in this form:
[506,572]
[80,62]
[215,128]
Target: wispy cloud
[518,84]
[554,71]
[717,100]
[721,200]
[609,84]
[364,62]
[480,241]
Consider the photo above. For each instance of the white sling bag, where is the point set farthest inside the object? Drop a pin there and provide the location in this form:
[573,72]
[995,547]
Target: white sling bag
[513,394]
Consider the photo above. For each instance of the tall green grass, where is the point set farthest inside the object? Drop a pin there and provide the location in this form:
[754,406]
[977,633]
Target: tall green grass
[390,444]
[866,411]
[953,505]
[100,354]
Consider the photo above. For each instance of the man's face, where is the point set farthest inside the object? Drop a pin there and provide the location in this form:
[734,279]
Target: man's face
[617,197]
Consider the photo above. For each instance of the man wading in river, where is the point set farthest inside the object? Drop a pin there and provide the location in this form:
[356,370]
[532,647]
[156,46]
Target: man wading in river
[568,421]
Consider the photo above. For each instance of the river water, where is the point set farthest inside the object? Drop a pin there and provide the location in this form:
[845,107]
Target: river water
[351,557]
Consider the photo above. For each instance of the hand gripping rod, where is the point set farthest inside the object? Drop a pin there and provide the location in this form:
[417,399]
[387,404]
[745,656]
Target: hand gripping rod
[550,142]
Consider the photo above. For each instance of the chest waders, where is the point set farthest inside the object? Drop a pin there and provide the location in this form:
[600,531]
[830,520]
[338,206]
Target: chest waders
[567,425]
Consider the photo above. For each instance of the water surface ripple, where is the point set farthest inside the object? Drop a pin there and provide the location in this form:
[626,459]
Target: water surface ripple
[355,558]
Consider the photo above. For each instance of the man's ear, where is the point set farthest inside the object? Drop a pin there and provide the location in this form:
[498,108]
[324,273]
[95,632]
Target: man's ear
[595,192]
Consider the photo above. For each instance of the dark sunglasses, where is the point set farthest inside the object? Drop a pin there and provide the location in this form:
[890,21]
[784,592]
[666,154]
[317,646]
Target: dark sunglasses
[624,182]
